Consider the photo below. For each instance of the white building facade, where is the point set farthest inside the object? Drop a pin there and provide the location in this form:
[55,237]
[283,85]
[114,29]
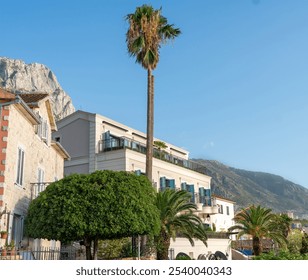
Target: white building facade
[95,142]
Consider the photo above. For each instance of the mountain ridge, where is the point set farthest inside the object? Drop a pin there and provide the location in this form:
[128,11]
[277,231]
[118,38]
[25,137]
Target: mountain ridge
[255,187]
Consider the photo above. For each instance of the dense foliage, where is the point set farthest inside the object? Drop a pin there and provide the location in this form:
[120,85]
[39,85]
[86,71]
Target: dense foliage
[281,255]
[102,205]
[304,249]
[114,249]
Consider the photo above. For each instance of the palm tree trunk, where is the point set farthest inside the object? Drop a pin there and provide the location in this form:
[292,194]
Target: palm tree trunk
[256,246]
[162,246]
[150,125]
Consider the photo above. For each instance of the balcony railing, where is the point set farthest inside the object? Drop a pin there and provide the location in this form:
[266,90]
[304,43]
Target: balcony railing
[211,234]
[37,188]
[205,205]
[126,143]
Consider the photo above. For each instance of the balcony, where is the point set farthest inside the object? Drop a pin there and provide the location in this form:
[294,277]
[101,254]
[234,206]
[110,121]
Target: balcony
[205,205]
[126,143]
[210,210]
[37,188]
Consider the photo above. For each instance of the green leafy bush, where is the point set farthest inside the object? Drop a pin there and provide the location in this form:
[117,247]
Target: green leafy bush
[282,255]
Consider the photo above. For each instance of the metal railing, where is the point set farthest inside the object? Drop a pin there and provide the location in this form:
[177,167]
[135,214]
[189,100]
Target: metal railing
[126,143]
[212,235]
[37,188]
[43,253]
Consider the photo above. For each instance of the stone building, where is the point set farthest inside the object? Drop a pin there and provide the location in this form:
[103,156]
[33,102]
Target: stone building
[29,159]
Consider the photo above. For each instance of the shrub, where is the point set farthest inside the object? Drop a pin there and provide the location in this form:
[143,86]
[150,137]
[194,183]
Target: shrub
[281,255]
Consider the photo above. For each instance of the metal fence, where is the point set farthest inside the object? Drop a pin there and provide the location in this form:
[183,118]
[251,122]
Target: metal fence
[44,253]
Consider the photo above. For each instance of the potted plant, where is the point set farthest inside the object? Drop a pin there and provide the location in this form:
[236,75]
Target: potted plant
[3,252]
[3,234]
[11,248]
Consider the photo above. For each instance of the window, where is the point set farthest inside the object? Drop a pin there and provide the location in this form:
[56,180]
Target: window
[17,229]
[41,175]
[139,172]
[190,189]
[227,210]
[110,141]
[220,209]
[40,181]
[166,183]
[44,125]
[20,166]
[42,129]
[205,196]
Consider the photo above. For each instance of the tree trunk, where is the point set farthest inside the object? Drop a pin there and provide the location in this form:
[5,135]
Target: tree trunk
[87,244]
[150,125]
[162,246]
[95,248]
[256,246]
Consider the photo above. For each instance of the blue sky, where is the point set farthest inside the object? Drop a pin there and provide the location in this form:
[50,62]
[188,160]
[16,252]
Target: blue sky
[233,87]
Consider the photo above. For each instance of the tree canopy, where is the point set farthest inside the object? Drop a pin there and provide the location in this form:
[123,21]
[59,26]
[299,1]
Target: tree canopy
[148,30]
[102,205]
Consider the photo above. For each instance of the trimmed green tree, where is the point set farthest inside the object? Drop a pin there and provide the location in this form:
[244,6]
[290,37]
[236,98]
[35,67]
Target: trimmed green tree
[148,30]
[102,205]
[177,217]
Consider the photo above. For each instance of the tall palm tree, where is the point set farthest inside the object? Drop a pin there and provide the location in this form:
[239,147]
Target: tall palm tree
[148,30]
[176,217]
[259,223]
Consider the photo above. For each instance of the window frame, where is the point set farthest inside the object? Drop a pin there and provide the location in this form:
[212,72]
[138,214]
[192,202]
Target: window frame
[20,166]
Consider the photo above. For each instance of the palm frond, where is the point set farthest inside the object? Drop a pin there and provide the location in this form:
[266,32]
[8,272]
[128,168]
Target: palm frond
[260,223]
[178,217]
[148,29]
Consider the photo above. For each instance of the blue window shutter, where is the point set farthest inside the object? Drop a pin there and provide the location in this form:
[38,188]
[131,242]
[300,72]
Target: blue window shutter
[208,192]
[208,197]
[162,183]
[171,184]
[191,189]
[202,195]
[183,186]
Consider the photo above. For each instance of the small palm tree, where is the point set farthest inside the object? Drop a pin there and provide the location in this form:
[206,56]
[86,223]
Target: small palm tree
[161,146]
[259,223]
[148,30]
[177,217]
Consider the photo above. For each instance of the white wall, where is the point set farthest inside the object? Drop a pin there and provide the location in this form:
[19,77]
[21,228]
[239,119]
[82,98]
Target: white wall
[183,245]
[223,220]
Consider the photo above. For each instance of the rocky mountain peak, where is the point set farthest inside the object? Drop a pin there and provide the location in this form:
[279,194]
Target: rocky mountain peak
[18,77]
